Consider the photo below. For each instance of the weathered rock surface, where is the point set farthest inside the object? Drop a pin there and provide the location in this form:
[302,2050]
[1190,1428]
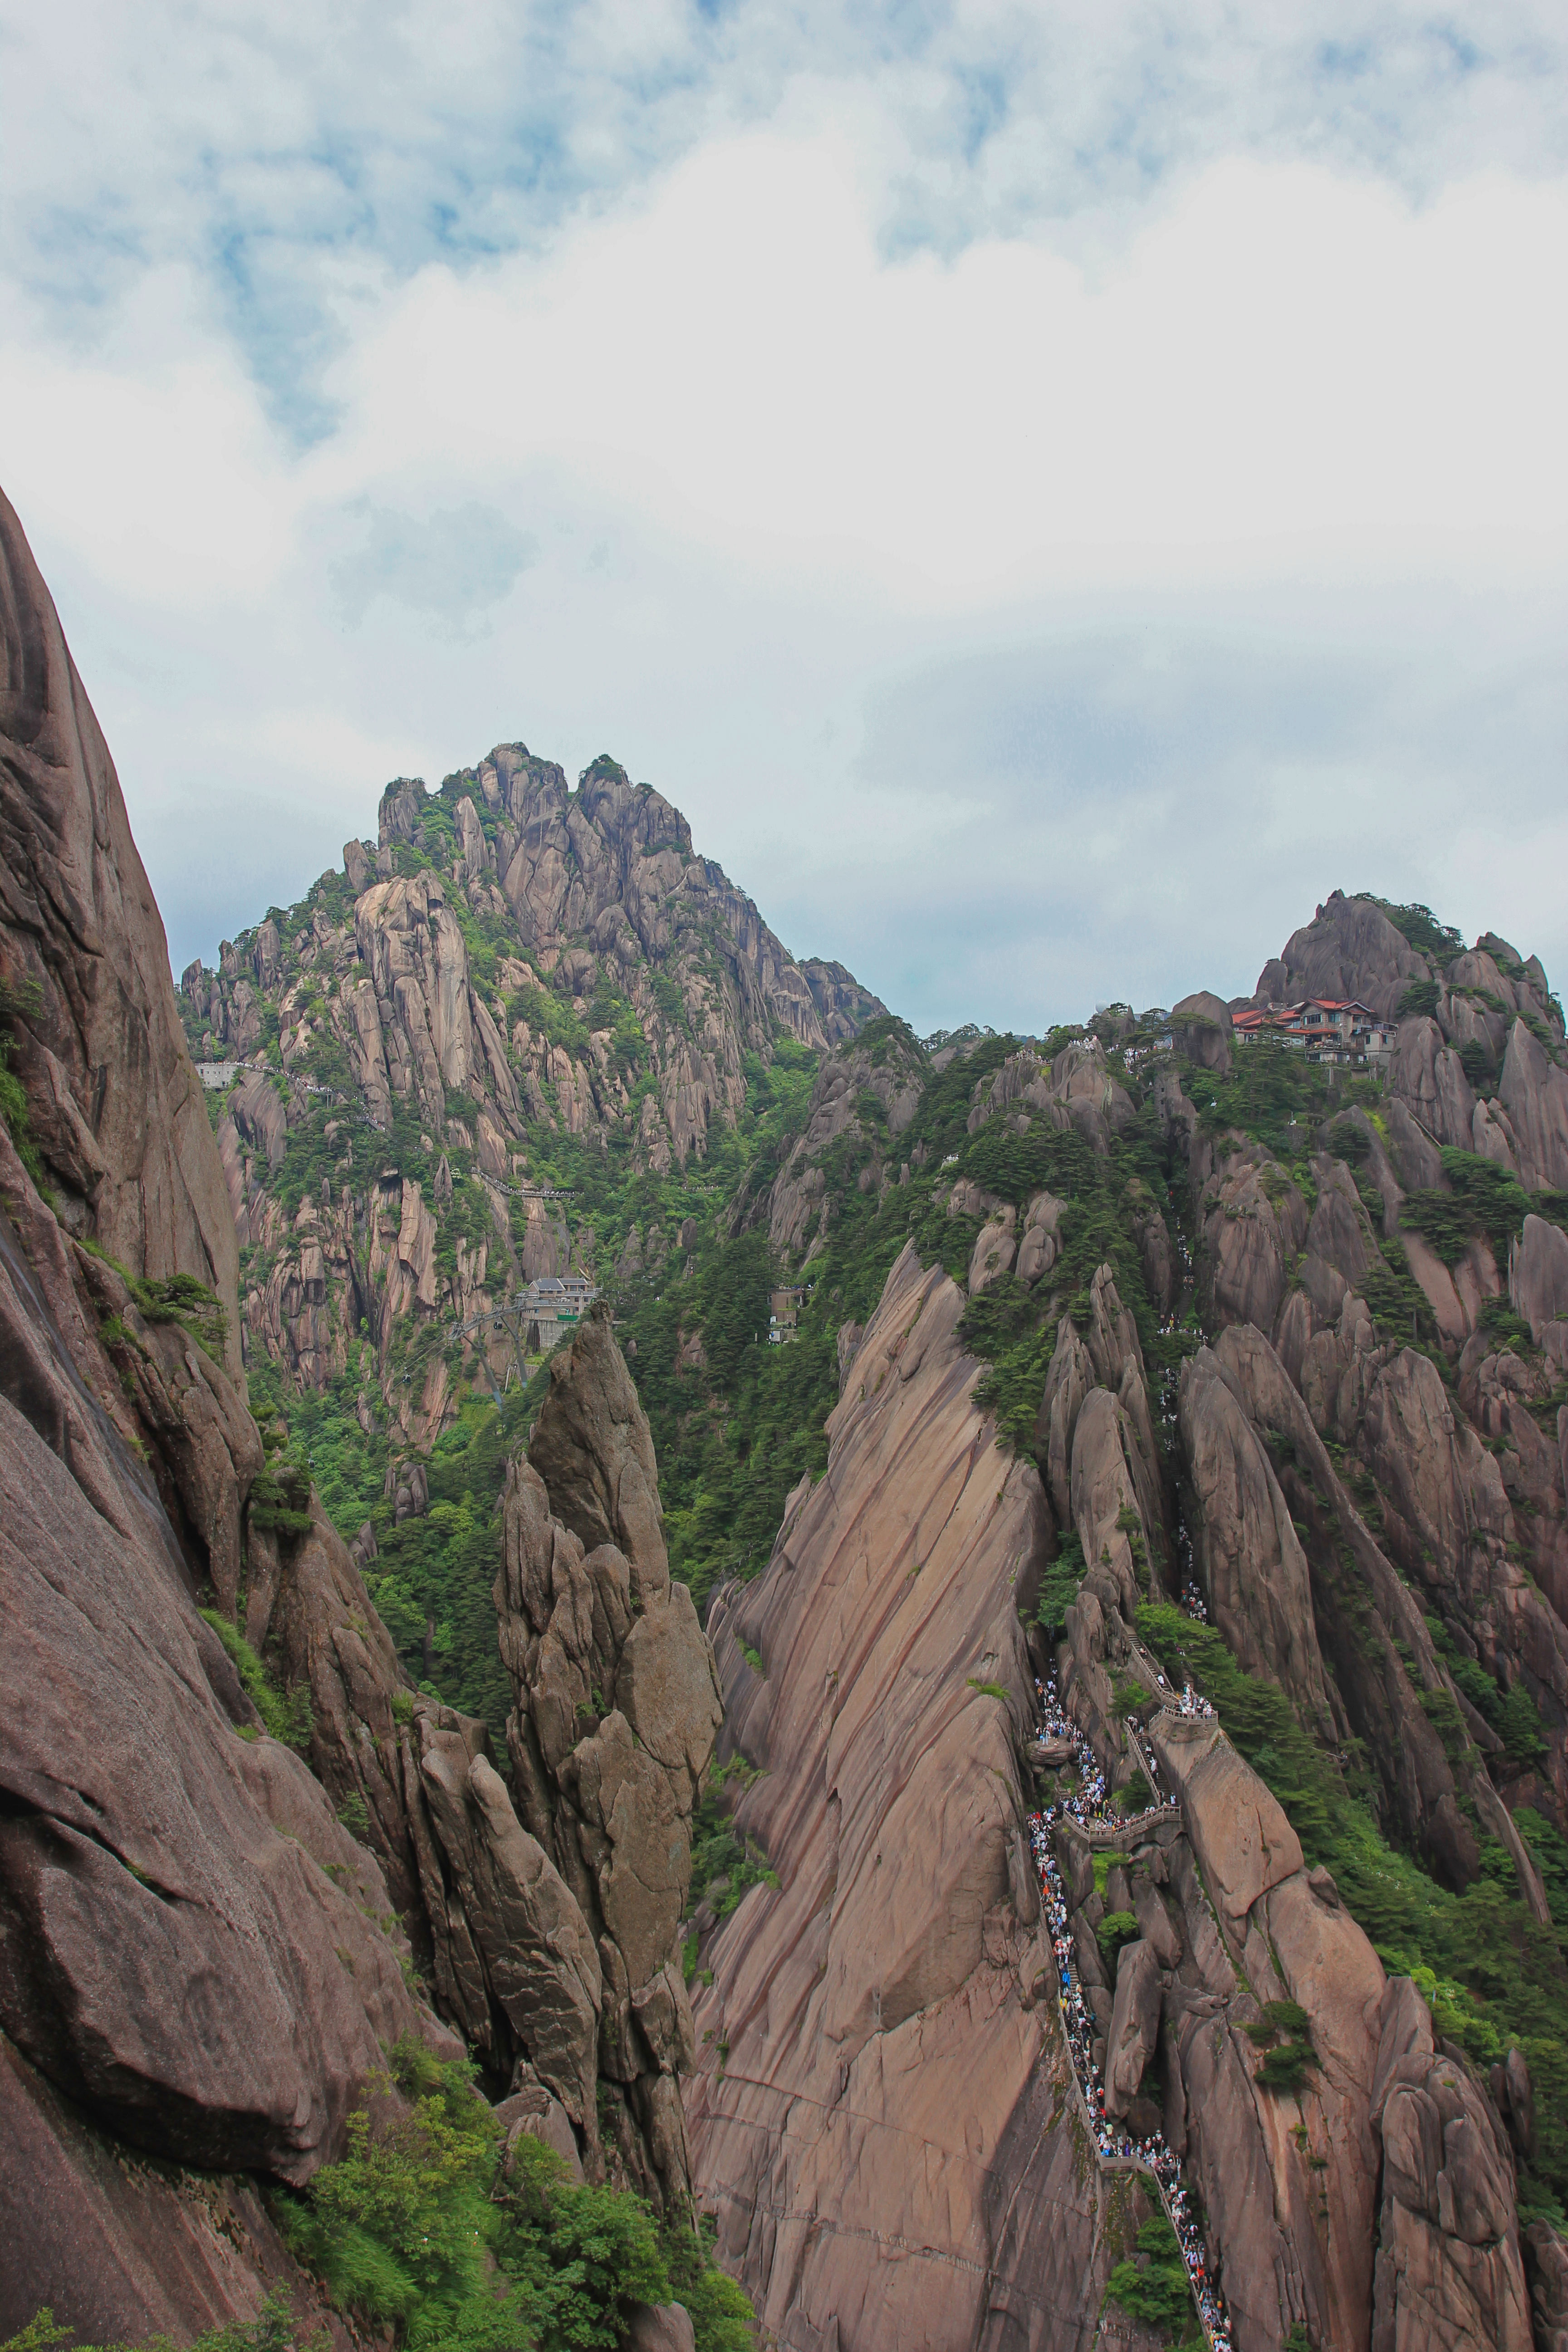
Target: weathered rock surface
[1254,1223]
[379,1001]
[540,1966]
[1040,1244]
[592,1448]
[1202,1029]
[1289,2190]
[616,1711]
[1533,1091]
[1546,2266]
[1538,1285]
[1349,949]
[1449,1526]
[881,2115]
[661,2327]
[1428,1078]
[114,1103]
[229,2031]
[194,1952]
[1371,1630]
[121,2251]
[890,1073]
[1254,1570]
[1449,2270]
[1134,2024]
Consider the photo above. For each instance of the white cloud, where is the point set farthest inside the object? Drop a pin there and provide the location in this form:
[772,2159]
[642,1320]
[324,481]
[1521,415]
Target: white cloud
[1286,365]
[997,478]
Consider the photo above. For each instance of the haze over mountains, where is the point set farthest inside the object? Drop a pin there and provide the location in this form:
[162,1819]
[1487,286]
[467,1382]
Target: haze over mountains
[654,1727]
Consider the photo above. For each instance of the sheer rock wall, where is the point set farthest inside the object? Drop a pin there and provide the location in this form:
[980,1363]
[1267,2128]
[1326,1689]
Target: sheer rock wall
[882,2115]
[618,1706]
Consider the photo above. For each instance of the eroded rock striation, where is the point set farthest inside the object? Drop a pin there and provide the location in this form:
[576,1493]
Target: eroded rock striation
[198,1963]
[617,1708]
[882,2113]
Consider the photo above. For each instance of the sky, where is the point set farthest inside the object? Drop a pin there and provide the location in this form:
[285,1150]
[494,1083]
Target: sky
[1051,491]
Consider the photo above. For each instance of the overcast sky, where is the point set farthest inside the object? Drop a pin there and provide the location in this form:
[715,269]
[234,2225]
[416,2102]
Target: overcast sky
[1051,491]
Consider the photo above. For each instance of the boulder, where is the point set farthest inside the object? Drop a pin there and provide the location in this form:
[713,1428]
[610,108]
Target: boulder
[1546,2266]
[1104,1493]
[1340,1246]
[1513,2096]
[541,1965]
[1201,1029]
[1068,1382]
[616,1715]
[665,1685]
[532,2112]
[1160,1931]
[1533,1091]
[994,1252]
[1134,2024]
[1238,1831]
[1254,1223]
[1428,1078]
[1538,1285]
[260,1114]
[660,2328]
[1162,1271]
[1039,1242]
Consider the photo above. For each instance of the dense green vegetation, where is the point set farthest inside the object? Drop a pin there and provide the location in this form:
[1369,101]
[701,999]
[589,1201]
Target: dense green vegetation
[18,996]
[1419,927]
[1059,1584]
[429,2227]
[1275,1095]
[284,1716]
[1152,2287]
[423,2225]
[1483,1201]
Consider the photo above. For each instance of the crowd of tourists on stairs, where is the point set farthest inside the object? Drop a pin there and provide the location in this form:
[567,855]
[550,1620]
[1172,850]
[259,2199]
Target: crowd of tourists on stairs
[1153,2155]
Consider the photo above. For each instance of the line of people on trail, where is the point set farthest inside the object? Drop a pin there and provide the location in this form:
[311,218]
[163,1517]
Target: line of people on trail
[1086,1807]
[1194,1605]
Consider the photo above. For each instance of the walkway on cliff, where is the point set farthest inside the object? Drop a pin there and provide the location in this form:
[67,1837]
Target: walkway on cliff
[1116,2150]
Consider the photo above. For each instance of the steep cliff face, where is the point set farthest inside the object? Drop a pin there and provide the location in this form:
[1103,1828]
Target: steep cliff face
[616,1708]
[882,2114]
[113,1103]
[198,1963]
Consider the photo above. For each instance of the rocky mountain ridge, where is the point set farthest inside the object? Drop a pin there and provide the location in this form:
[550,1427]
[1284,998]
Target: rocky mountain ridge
[513,964]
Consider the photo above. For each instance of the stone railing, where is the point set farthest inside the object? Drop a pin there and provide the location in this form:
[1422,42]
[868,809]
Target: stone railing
[1106,1834]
